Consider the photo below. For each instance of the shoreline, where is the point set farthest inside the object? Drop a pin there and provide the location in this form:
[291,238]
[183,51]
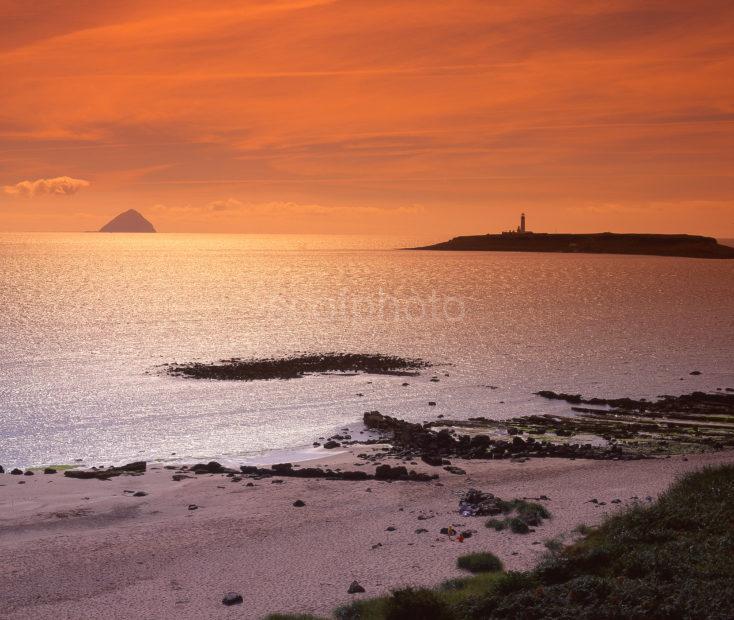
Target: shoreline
[90,548]
[355,427]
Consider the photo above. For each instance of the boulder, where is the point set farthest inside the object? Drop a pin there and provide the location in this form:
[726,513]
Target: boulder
[355,588]
[432,460]
[212,467]
[387,472]
[232,598]
[137,466]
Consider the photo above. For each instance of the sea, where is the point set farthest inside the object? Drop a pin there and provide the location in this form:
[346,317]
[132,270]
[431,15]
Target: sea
[88,321]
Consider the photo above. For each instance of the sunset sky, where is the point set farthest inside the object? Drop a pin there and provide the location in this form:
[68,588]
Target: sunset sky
[368,116]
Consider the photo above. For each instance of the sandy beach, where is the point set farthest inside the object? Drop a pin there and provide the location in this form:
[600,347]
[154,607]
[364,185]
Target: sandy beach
[90,549]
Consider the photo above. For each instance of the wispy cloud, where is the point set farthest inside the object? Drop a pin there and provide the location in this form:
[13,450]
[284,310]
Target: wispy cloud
[287,209]
[58,186]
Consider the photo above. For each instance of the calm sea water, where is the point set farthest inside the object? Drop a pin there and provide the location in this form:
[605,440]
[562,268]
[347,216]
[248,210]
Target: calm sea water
[85,320]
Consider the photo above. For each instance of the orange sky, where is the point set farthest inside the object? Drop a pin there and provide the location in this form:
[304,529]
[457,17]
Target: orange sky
[431,117]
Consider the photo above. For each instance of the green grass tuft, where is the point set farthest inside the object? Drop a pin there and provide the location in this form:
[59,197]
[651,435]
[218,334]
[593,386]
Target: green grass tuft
[410,604]
[497,524]
[292,617]
[518,526]
[521,516]
[479,563]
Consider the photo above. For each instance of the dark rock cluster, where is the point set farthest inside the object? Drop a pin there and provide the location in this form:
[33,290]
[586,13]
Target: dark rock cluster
[408,439]
[297,366]
[695,403]
[382,472]
[135,468]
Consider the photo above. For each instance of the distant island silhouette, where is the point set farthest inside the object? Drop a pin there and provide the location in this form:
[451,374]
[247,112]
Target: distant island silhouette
[131,221]
[521,240]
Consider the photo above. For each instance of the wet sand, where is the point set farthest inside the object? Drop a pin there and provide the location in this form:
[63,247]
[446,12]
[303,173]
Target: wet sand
[86,549]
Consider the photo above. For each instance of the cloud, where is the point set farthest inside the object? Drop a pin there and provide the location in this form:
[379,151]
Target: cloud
[58,186]
[275,210]
[272,209]
[225,205]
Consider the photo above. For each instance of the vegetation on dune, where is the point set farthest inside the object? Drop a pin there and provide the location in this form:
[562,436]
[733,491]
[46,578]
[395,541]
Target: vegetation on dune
[297,366]
[526,514]
[479,563]
[292,617]
[670,559]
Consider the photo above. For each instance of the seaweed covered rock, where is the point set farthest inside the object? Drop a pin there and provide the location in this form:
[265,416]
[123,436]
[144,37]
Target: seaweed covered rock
[136,468]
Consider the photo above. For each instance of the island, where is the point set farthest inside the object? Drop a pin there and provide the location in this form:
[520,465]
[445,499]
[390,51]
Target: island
[131,221]
[520,240]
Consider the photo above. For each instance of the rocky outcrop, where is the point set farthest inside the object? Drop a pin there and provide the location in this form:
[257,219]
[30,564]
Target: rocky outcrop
[695,403]
[408,439]
[136,468]
[297,366]
[212,467]
[383,472]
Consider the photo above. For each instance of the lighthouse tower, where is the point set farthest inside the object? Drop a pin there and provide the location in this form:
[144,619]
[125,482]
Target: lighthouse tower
[522,223]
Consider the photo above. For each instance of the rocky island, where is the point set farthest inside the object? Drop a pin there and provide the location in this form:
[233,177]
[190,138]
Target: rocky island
[131,221]
[691,246]
[521,240]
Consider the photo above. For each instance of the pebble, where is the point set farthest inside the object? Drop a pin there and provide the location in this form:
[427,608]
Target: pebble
[232,598]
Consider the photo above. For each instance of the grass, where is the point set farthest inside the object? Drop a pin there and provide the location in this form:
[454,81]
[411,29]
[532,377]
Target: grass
[292,617]
[419,604]
[479,563]
[518,526]
[497,524]
[526,514]
[673,558]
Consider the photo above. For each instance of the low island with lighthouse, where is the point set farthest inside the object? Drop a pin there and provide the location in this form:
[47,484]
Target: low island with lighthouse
[523,240]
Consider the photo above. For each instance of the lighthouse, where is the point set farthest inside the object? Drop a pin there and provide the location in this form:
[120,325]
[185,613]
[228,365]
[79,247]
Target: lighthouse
[522,223]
